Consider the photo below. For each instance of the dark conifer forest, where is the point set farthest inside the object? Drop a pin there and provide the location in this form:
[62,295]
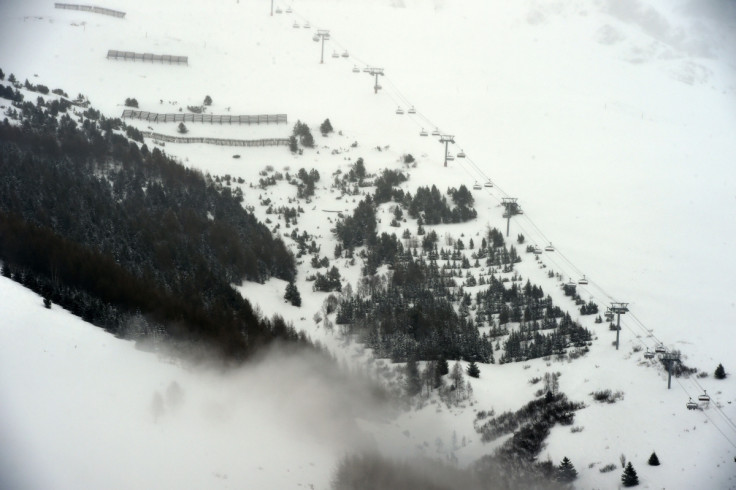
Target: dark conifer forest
[127,238]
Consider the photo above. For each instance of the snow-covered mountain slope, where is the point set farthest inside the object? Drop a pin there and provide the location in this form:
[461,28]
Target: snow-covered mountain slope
[611,122]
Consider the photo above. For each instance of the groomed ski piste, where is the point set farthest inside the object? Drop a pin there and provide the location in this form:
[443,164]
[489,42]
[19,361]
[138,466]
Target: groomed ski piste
[610,122]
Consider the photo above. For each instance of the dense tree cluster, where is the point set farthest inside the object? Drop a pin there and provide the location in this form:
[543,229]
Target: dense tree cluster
[309,179]
[414,318]
[113,232]
[360,228]
[433,206]
[303,134]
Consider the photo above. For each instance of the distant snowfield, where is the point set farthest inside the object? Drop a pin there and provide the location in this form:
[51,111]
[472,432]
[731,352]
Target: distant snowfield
[611,121]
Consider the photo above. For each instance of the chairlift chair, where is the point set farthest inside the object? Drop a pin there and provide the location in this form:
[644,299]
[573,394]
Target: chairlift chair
[315,38]
[609,315]
[450,157]
[476,186]
[488,184]
[691,405]
[649,354]
[461,154]
[436,132]
[307,26]
[399,110]
[278,10]
[550,248]
[345,54]
[537,251]
[335,54]
[705,397]
[423,132]
[660,349]
[288,10]
[412,110]
[295,25]
[583,280]
[356,69]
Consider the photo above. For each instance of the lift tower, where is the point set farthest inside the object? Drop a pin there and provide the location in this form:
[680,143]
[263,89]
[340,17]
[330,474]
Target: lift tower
[447,139]
[618,309]
[324,34]
[373,71]
[510,204]
[669,358]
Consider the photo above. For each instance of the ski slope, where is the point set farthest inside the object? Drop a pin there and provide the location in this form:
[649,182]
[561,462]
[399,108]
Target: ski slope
[611,122]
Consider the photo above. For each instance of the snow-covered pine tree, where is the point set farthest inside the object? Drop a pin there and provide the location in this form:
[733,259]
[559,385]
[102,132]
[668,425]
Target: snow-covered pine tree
[720,372]
[566,472]
[653,459]
[628,477]
[292,294]
[325,127]
[473,370]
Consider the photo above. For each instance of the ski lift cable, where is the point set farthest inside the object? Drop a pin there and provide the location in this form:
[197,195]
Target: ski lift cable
[396,89]
[712,421]
[730,422]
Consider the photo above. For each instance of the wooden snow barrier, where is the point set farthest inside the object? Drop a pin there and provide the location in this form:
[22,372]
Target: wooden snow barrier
[205,118]
[161,58]
[90,8]
[216,141]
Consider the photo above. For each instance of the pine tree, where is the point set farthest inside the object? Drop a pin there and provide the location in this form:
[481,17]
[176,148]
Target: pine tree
[629,478]
[653,459]
[292,144]
[473,370]
[566,472]
[720,372]
[208,100]
[292,295]
[325,127]
[442,367]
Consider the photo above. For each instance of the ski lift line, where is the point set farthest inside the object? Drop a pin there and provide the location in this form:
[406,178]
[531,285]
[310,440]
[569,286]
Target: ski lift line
[396,89]
[723,414]
[706,415]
